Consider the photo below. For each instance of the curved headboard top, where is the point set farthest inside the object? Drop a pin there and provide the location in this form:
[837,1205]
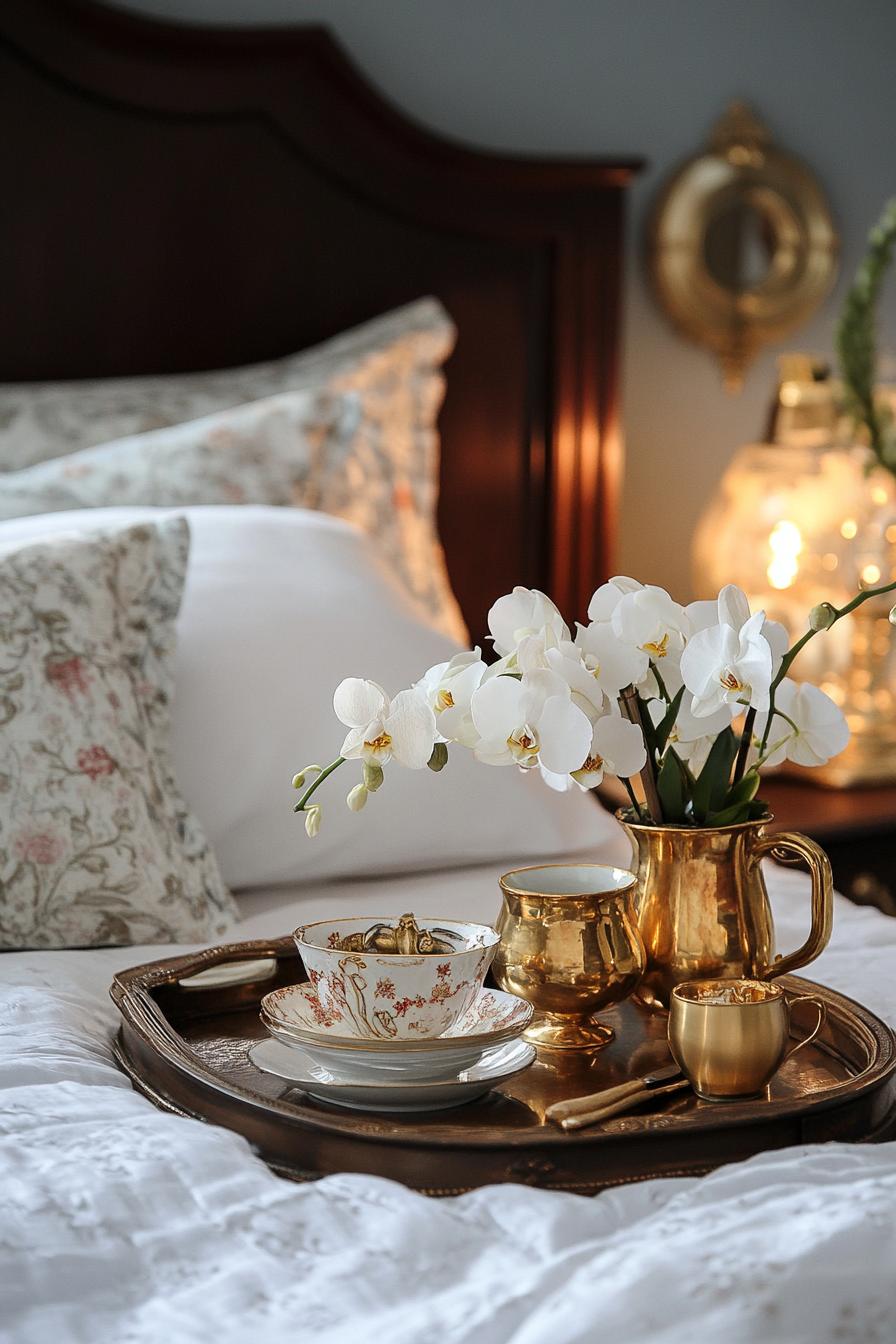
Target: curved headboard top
[180,198]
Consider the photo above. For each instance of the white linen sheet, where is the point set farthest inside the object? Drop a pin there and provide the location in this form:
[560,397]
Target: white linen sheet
[122,1224]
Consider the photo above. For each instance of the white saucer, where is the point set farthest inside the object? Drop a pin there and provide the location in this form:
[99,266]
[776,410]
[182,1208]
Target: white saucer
[298,1066]
[293,1016]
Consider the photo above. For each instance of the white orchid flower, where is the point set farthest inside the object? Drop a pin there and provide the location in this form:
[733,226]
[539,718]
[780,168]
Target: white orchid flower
[523,612]
[608,596]
[617,748]
[651,621]
[642,616]
[449,688]
[730,662]
[380,728]
[530,721]
[813,731]
[542,653]
[585,687]
[704,614]
[611,663]
[531,652]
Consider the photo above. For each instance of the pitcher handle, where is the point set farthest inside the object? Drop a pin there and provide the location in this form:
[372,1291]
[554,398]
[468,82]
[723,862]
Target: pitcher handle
[822,897]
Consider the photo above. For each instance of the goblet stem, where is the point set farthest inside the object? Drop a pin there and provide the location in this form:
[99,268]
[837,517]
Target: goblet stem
[566,1031]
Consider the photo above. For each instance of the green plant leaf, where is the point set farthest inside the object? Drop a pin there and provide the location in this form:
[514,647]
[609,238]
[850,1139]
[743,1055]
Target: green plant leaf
[857,337]
[713,780]
[730,816]
[742,792]
[667,722]
[668,786]
[748,810]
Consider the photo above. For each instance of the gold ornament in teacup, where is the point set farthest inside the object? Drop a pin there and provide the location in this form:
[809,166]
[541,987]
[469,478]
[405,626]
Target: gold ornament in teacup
[387,979]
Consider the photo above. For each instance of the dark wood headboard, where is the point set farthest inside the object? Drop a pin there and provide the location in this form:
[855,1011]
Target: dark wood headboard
[176,198]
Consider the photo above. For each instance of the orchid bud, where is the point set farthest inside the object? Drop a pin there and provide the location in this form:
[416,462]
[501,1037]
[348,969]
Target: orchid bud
[373,778]
[357,798]
[312,820]
[822,617]
[298,781]
[439,758]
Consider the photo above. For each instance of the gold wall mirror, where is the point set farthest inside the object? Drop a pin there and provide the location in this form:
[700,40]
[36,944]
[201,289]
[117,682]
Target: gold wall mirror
[742,245]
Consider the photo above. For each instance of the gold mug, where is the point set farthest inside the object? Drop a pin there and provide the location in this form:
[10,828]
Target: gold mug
[729,1037]
[569,946]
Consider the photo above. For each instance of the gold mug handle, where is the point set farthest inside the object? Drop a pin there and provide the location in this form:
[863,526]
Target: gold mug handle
[792,842]
[822,1015]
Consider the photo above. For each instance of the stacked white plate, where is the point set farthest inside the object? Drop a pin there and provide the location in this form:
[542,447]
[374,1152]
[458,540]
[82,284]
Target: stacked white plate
[480,1051]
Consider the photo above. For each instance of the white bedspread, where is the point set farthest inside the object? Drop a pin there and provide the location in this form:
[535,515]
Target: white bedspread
[120,1223]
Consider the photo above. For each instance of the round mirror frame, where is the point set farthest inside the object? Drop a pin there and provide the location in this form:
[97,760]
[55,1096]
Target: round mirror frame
[742,168]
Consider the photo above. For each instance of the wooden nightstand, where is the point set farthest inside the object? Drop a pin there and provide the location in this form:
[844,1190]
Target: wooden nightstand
[855,827]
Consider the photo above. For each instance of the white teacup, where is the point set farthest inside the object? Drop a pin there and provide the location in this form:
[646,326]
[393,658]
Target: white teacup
[378,994]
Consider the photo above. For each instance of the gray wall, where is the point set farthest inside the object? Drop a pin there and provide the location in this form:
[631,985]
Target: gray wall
[615,77]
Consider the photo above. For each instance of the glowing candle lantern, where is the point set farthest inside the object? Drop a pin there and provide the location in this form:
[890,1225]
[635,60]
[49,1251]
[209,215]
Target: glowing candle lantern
[805,520]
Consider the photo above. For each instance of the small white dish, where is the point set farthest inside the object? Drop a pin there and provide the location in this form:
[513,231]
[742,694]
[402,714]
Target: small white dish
[294,1016]
[230,973]
[301,1068]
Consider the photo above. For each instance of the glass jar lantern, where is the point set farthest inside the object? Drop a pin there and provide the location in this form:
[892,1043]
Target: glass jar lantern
[810,520]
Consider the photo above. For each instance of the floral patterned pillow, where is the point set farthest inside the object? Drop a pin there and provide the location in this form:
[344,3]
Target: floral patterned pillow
[267,452]
[385,479]
[97,846]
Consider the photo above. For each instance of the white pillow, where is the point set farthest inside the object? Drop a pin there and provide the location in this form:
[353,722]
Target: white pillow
[279,606]
[387,483]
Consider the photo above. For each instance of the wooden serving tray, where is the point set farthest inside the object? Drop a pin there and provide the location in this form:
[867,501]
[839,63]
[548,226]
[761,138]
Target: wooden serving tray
[186,1049]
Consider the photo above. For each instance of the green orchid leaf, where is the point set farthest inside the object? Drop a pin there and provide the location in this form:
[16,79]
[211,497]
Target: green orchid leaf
[713,780]
[669,788]
[667,722]
[730,816]
[744,790]
[752,809]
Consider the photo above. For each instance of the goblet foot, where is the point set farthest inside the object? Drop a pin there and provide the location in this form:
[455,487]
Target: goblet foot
[562,1031]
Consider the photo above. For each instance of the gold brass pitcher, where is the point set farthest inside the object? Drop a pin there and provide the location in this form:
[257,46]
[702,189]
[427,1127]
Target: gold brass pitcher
[703,908]
[569,946]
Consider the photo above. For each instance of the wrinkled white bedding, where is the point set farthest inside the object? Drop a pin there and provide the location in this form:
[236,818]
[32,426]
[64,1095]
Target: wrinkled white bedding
[120,1223]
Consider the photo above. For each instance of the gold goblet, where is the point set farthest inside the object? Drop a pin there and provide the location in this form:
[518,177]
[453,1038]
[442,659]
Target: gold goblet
[569,946]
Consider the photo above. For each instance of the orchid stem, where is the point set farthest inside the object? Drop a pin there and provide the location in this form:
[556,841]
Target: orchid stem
[631,704]
[631,793]
[660,683]
[300,805]
[746,738]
